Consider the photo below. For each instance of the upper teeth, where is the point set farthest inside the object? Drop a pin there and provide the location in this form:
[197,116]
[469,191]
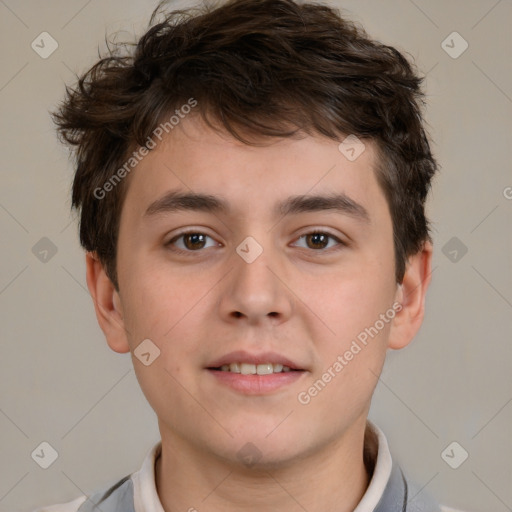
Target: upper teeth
[253,369]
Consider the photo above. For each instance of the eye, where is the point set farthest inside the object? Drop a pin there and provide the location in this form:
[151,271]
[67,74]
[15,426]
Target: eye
[193,241]
[319,239]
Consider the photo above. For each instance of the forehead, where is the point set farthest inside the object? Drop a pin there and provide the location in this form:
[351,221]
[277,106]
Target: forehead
[196,160]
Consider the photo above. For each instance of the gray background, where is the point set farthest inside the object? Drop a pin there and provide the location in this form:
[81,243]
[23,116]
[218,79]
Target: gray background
[59,381]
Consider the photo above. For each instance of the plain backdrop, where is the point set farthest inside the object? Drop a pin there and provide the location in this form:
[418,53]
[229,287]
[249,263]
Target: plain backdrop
[61,384]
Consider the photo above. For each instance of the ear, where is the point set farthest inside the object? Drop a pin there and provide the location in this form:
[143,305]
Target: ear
[411,295]
[107,304]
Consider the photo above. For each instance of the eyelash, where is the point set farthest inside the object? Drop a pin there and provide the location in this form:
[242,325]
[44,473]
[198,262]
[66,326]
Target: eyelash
[170,243]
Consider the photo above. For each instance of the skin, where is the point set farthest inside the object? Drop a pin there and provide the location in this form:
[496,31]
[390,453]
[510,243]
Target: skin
[298,298]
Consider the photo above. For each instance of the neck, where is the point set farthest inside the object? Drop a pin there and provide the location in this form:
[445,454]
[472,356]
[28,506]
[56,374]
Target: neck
[333,479]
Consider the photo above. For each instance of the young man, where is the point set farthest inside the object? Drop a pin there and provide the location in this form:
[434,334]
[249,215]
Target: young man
[252,182]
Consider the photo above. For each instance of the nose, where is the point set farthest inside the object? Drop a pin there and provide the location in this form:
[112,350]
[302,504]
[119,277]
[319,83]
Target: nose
[256,292]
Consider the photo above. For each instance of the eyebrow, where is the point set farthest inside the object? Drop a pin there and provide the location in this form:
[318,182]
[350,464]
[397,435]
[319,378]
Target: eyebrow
[176,200]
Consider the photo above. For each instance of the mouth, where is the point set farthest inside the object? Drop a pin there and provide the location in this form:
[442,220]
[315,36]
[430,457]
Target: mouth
[241,361]
[255,374]
[254,369]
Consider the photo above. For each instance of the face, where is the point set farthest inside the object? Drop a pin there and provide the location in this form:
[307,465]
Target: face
[267,270]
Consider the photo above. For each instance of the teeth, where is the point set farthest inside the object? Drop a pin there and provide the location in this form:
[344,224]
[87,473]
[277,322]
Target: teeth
[253,369]
[265,369]
[247,369]
[234,367]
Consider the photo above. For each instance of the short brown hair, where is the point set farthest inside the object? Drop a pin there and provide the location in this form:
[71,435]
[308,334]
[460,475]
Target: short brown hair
[257,68]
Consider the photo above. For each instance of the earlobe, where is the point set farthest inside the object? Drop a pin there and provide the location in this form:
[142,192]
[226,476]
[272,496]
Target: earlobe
[411,295]
[107,304]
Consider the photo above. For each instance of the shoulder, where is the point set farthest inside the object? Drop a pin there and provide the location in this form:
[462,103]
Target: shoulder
[115,498]
[70,506]
[423,501]
[119,495]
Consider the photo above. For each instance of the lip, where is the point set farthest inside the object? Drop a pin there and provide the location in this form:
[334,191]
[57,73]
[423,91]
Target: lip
[256,384]
[241,356]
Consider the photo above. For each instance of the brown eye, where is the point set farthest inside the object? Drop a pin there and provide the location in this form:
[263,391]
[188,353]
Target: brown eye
[318,240]
[191,241]
[194,240]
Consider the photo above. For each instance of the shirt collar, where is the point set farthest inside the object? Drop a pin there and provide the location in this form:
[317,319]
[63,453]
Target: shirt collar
[386,488]
[376,453]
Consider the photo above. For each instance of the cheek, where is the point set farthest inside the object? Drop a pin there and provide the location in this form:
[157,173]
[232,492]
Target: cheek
[354,347]
[353,300]
[159,299]
[162,390]
[169,310]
